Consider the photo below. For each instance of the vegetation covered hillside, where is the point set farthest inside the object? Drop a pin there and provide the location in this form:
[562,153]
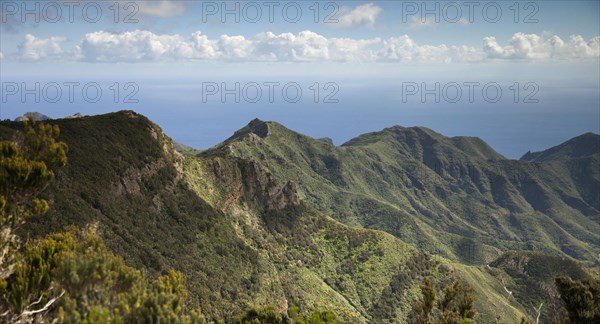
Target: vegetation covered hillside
[451,196]
[582,146]
[243,231]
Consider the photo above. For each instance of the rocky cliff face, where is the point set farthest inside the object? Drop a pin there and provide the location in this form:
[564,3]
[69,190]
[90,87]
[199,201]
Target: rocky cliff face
[261,187]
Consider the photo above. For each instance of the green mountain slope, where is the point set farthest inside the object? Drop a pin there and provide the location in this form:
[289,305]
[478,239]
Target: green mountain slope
[530,277]
[242,241]
[248,224]
[585,145]
[456,195]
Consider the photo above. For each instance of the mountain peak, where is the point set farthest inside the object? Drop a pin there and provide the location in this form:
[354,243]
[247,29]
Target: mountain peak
[256,122]
[395,133]
[414,139]
[36,116]
[580,146]
[256,127]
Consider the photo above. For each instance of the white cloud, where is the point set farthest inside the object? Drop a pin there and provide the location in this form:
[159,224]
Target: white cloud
[347,49]
[162,8]
[308,46]
[199,47]
[34,49]
[305,46]
[576,47]
[234,47]
[405,49]
[363,15]
[533,47]
[129,46]
[140,45]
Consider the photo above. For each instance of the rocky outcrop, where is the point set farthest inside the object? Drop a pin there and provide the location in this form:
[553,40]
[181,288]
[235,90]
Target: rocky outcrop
[261,186]
[132,179]
[250,181]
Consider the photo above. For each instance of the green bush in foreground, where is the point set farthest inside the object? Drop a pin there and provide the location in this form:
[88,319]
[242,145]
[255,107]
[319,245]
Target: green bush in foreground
[27,165]
[581,299]
[72,277]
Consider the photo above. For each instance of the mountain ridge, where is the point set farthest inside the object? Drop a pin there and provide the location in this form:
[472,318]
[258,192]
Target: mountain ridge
[258,221]
[469,144]
[512,190]
[581,146]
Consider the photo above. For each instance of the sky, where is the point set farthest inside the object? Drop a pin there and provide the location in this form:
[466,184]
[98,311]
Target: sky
[522,75]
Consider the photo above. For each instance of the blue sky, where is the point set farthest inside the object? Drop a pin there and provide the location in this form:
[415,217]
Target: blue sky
[563,18]
[368,52]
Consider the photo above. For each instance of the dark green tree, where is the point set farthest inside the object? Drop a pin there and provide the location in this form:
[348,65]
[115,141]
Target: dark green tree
[271,315]
[581,299]
[423,307]
[27,165]
[455,304]
[268,315]
[71,277]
